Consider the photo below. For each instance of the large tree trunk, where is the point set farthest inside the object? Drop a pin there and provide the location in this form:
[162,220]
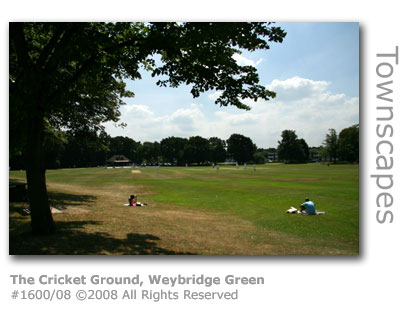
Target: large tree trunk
[41,218]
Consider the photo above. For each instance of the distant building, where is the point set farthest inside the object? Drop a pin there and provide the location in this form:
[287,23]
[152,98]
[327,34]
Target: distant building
[314,155]
[119,161]
[230,160]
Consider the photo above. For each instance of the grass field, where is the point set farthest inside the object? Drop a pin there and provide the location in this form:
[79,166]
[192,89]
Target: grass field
[196,210]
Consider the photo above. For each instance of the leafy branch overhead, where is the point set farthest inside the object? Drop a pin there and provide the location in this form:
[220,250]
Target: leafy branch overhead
[202,54]
[82,65]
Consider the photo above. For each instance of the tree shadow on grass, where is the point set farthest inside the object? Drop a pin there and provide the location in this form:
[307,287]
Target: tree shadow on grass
[75,238]
[61,200]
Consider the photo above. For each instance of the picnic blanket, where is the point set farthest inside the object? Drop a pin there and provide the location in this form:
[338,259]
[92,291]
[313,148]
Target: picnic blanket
[138,204]
[293,210]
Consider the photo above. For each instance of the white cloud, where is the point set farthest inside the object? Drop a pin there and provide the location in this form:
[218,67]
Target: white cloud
[215,95]
[259,61]
[144,125]
[297,88]
[242,119]
[137,110]
[243,61]
[185,121]
[304,105]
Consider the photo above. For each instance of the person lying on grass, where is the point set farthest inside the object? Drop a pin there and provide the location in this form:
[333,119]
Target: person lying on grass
[133,203]
[308,207]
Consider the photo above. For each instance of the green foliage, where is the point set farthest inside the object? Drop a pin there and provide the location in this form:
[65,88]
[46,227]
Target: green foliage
[260,157]
[197,150]
[288,147]
[241,148]
[291,149]
[348,144]
[66,69]
[331,145]
[304,151]
[201,54]
[55,142]
[173,150]
[84,149]
[218,151]
[150,153]
[125,146]
[71,73]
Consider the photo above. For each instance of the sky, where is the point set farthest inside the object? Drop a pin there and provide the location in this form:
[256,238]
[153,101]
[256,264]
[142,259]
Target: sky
[315,73]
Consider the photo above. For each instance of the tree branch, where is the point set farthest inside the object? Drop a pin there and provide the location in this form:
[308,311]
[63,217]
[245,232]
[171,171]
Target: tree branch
[45,54]
[60,46]
[87,64]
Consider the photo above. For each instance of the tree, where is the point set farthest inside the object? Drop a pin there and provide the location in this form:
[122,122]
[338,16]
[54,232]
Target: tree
[173,150]
[348,144]
[197,150]
[218,151]
[124,146]
[331,145]
[70,75]
[304,151]
[241,148]
[151,152]
[54,144]
[289,148]
[315,153]
[85,149]
[260,157]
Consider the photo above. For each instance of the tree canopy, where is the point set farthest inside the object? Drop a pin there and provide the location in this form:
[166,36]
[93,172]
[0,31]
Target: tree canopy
[292,149]
[75,71]
[217,150]
[71,76]
[241,148]
[197,150]
[331,144]
[348,144]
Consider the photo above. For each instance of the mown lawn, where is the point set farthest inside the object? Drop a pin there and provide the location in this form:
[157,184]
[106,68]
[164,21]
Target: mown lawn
[196,210]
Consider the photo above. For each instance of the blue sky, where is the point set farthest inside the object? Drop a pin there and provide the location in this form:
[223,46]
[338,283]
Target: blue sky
[315,73]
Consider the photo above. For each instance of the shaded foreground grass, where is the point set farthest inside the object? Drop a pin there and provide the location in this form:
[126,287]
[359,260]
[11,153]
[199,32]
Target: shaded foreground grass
[196,210]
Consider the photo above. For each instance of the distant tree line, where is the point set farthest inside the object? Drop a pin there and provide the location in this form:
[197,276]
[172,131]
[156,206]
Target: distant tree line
[343,147]
[92,148]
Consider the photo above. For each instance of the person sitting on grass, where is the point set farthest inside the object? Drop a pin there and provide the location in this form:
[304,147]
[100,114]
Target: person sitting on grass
[133,203]
[132,200]
[308,207]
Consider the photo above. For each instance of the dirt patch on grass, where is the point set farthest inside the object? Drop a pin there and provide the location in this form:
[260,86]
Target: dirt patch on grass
[206,233]
[195,231]
[111,191]
[136,171]
[75,210]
